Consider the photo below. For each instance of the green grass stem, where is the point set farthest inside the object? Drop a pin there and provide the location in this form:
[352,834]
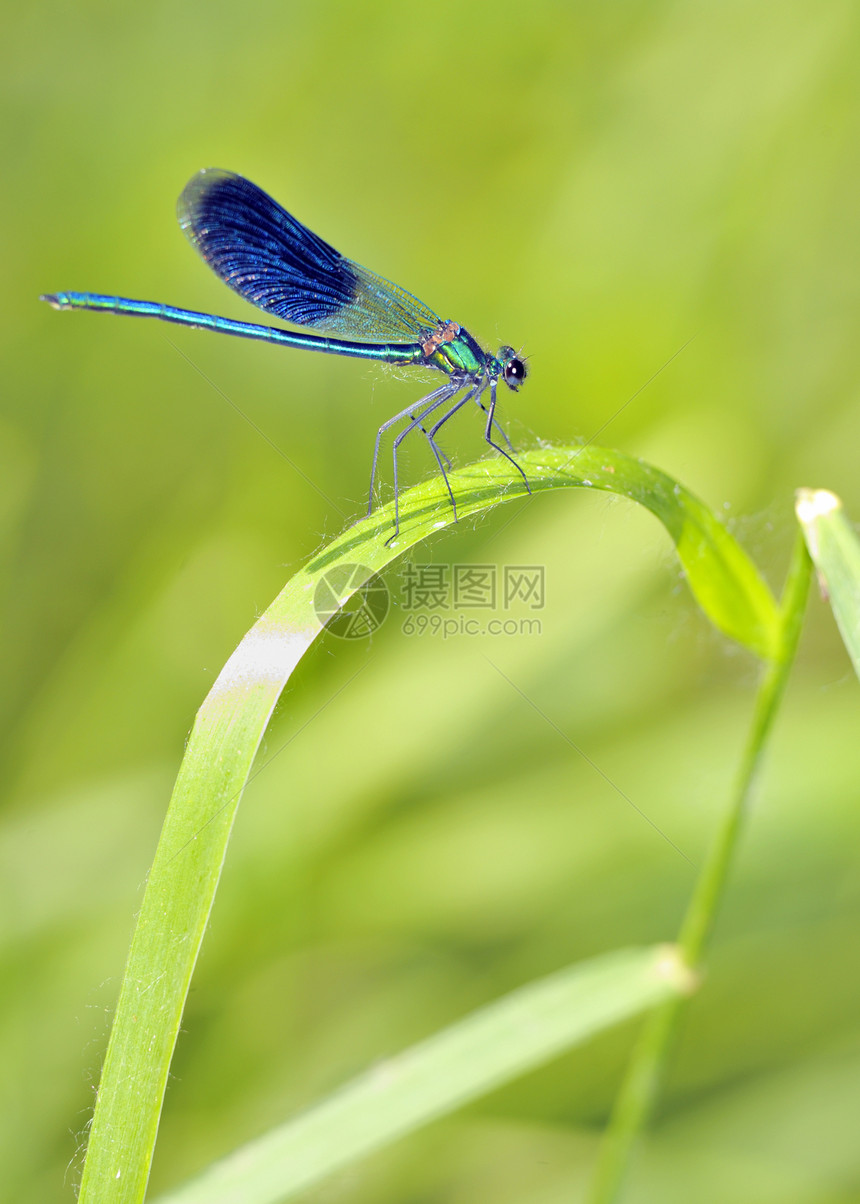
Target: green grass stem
[640,1087]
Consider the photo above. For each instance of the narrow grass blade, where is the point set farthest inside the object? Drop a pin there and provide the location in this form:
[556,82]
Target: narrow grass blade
[488,1048]
[835,552]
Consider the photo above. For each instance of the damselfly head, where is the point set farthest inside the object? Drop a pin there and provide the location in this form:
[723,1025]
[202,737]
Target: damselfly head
[514,370]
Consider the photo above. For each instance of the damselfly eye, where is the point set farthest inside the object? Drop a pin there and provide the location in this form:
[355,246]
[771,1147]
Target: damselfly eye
[514,373]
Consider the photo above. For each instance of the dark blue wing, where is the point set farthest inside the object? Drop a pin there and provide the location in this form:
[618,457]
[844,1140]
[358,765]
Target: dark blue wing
[272,260]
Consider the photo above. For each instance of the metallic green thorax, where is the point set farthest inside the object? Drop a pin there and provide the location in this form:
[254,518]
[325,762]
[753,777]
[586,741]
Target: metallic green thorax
[461,355]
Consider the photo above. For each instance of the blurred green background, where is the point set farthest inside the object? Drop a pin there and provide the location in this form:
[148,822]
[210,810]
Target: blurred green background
[597,184]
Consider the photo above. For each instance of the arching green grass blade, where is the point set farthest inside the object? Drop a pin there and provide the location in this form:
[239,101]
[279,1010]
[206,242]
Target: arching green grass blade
[230,725]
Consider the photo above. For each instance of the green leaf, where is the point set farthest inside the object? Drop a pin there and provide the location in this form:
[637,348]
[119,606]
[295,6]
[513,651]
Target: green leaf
[835,552]
[511,1036]
[230,725]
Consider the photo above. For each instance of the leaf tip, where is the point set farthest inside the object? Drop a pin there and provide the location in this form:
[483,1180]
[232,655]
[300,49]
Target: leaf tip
[671,966]
[811,504]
